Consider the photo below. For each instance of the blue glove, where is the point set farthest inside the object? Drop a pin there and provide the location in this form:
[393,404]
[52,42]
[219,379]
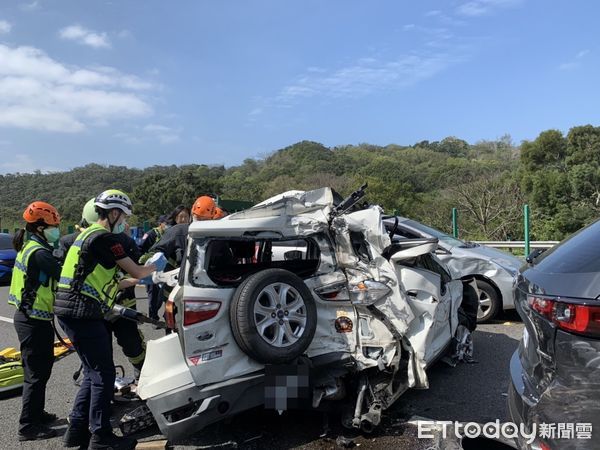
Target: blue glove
[159,261]
[147,280]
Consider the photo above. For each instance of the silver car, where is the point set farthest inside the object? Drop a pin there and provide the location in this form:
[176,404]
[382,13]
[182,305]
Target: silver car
[493,269]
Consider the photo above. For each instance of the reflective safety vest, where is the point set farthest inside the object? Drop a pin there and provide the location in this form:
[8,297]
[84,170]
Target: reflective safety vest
[79,277]
[158,232]
[38,304]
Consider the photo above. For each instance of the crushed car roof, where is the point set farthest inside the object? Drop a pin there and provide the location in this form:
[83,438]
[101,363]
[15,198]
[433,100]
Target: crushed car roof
[293,213]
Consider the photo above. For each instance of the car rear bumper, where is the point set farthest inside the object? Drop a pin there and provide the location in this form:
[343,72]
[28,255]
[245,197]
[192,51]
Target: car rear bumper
[518,404]
[185,411]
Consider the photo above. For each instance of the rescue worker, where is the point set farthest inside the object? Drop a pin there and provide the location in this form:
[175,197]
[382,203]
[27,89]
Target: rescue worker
[181,214]
[86,291]
[129,336]
[88,217]
[153,290]
[219,213]
[173,242]
[154,235]
[32,286]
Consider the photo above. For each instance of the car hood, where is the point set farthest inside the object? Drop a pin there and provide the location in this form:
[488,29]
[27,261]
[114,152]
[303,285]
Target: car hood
[489,254]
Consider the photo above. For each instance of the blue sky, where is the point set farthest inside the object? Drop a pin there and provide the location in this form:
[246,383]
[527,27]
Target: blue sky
[148,82]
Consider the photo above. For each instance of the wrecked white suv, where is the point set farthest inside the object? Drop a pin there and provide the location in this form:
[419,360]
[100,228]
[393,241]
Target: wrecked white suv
[300,301]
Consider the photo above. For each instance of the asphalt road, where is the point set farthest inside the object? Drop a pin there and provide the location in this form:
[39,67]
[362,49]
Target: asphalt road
[468,392]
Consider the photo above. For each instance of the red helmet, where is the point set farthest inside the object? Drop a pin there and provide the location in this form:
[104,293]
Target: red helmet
[204,208]
[218,214]
[41,212]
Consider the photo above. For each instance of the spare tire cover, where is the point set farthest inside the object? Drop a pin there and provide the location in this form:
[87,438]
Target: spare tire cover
[273,316]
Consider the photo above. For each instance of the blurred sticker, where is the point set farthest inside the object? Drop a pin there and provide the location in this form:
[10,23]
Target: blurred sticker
[205,357]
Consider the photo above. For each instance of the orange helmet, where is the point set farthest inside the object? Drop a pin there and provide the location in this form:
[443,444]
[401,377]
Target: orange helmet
[41,212]
[218,214]
[204,208]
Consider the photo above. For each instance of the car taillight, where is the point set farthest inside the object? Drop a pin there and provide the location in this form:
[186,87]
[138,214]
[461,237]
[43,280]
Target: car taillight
[568,315]
[195,311]
[170,311]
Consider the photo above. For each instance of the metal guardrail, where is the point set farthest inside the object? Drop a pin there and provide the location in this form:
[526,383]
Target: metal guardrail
[518,244]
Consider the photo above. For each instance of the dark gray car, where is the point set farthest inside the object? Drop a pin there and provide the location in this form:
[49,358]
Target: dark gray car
[555,372]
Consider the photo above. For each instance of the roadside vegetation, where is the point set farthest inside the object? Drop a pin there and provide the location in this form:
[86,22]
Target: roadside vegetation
[489,181]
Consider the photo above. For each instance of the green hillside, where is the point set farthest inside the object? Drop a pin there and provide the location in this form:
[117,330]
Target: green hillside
[559,176]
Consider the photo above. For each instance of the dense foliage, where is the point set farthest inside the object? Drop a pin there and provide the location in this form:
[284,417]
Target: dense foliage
[559,176]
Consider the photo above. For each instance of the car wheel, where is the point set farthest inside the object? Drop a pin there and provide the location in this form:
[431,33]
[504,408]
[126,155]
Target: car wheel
[273,316]
[489,302]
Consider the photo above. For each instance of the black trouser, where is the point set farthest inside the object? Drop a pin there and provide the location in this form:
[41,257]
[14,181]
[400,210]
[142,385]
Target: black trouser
[37,356]
[93,344]
[155,299]
[131,340]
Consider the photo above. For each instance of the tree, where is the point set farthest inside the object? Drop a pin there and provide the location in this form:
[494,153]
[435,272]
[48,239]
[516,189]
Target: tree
[548,150]
[490,205]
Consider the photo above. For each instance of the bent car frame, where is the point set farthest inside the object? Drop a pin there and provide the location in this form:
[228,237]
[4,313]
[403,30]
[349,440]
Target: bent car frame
[307,285]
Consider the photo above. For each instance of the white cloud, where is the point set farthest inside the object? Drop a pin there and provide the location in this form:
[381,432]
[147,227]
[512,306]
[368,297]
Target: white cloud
[164,134]
[150,133]
[40,93]
[482,7]
[84,36]
[34,5]
[366,76]
[576,62]
[124,34]
[16,162]
[569,66]
[5,27]
[20,162]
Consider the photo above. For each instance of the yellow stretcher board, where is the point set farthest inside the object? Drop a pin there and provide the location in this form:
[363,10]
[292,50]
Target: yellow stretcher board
[11,370]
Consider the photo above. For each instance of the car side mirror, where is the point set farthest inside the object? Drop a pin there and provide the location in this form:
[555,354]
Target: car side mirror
[534,254]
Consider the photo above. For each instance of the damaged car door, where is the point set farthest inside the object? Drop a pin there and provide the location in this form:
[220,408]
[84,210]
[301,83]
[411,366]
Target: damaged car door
[433,296]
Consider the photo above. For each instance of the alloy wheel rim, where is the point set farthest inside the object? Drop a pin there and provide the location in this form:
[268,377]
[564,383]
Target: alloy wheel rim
[280,315]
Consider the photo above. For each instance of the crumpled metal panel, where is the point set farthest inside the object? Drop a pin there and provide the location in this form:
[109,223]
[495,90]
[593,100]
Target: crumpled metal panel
[395,306]
[463,265]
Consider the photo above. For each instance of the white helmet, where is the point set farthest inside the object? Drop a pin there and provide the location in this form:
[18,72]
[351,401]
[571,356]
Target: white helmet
[113,198]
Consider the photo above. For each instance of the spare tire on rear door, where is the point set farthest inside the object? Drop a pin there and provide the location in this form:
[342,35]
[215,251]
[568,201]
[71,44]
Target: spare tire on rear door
[273,316]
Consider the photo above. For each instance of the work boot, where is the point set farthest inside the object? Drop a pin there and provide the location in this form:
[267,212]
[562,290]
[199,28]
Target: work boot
[36,433]
[77,436]
[47,417]
[105,440]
